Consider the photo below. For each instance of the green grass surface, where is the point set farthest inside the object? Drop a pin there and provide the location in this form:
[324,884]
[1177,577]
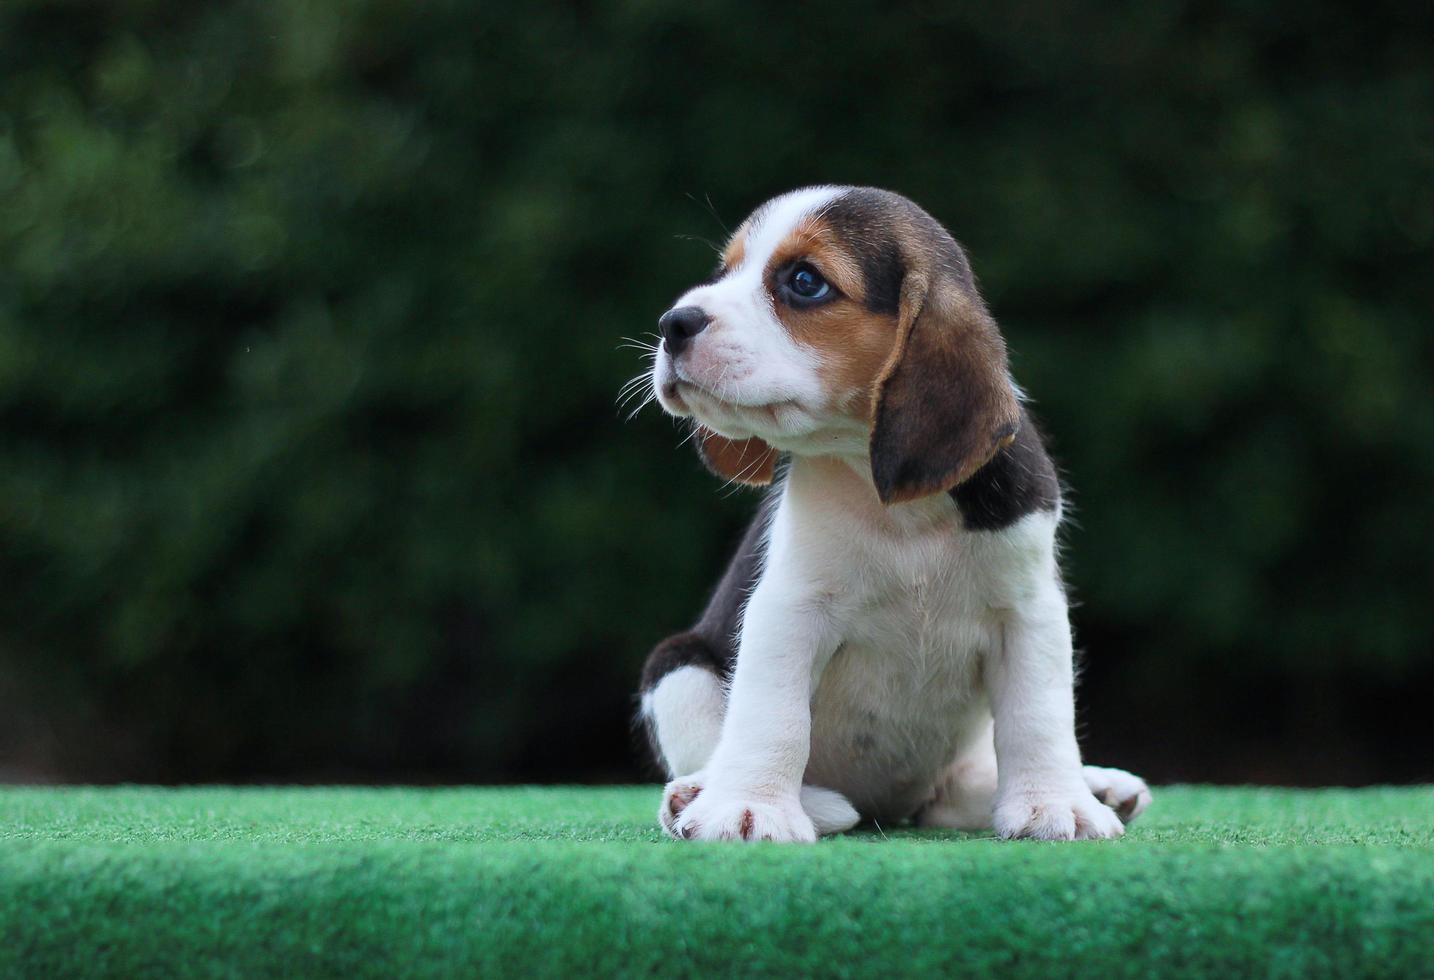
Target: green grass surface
[573,882]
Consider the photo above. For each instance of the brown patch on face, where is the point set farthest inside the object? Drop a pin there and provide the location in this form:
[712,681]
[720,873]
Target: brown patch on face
[853,341]
[814,240]
[854,345]
[733,254]
[749,461]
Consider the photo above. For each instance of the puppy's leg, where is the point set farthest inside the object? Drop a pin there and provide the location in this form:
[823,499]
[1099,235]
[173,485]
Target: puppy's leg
[830,812]
[683,701]
[1041,787]
[750,789]
[966,791]
[965,794]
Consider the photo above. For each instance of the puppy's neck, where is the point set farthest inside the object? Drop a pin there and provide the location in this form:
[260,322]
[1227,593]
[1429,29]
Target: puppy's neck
[844,484]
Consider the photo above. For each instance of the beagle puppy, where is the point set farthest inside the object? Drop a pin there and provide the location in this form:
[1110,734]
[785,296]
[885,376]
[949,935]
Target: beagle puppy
[891,641]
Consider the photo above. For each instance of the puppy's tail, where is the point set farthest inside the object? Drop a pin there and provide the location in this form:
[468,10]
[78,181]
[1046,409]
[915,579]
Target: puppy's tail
[829,810]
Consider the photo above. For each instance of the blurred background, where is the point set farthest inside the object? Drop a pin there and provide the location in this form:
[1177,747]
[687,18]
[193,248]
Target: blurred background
[311,466]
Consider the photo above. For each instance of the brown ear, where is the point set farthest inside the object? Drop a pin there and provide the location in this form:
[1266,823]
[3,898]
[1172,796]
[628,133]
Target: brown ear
[945,402]
[749,461]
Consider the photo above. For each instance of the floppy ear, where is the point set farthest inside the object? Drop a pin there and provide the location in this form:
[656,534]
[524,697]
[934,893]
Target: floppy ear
[945,403]
[749,461]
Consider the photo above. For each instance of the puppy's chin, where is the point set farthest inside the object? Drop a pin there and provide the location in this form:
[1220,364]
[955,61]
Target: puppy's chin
[672,402]
[666,388]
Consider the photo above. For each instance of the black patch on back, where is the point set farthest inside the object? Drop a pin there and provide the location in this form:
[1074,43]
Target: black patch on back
[681,650]
[1018,480]
[712,642]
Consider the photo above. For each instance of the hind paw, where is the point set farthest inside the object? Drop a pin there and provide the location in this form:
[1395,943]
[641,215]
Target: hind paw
[1123,792]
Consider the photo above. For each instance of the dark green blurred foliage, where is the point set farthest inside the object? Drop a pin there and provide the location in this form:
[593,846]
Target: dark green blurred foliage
[310,465]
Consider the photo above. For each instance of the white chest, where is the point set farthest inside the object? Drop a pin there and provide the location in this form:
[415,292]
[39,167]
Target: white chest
[892,706]
[915,603]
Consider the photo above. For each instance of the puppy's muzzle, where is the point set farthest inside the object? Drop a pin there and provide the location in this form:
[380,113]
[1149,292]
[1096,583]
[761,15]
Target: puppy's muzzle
[680,325]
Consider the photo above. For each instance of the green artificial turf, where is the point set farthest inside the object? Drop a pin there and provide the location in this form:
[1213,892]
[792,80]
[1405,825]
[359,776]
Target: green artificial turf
[578,882]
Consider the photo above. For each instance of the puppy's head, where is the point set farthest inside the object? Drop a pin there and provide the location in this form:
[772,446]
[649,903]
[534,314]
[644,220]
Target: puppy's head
[840,321]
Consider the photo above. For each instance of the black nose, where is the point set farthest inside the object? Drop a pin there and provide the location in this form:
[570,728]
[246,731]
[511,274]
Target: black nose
[680,325]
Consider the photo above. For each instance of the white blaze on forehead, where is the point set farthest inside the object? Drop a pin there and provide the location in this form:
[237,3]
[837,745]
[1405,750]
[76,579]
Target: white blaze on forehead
[775,220]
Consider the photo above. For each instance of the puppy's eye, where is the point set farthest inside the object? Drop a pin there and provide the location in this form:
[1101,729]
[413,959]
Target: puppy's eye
[806,284]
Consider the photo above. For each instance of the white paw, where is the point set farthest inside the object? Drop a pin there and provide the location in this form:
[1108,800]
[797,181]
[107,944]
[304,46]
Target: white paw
[831,812]
[1070,814]
[692,812]
[1123,792]
[676,795]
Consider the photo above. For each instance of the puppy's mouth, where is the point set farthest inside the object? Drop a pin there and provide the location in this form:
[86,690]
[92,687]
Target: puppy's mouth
[671,389]
[687,395]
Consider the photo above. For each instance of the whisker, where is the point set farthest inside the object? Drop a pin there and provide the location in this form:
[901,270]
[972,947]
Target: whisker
[690,435]
[633,343]
[737,482]
[719,388]
[632,384]
[651,397]
[629,390]
[623,403]
[717,249]
[712,210]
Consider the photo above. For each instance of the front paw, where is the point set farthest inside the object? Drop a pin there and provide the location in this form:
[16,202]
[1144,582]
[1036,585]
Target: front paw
[1064,814]
[692,811]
